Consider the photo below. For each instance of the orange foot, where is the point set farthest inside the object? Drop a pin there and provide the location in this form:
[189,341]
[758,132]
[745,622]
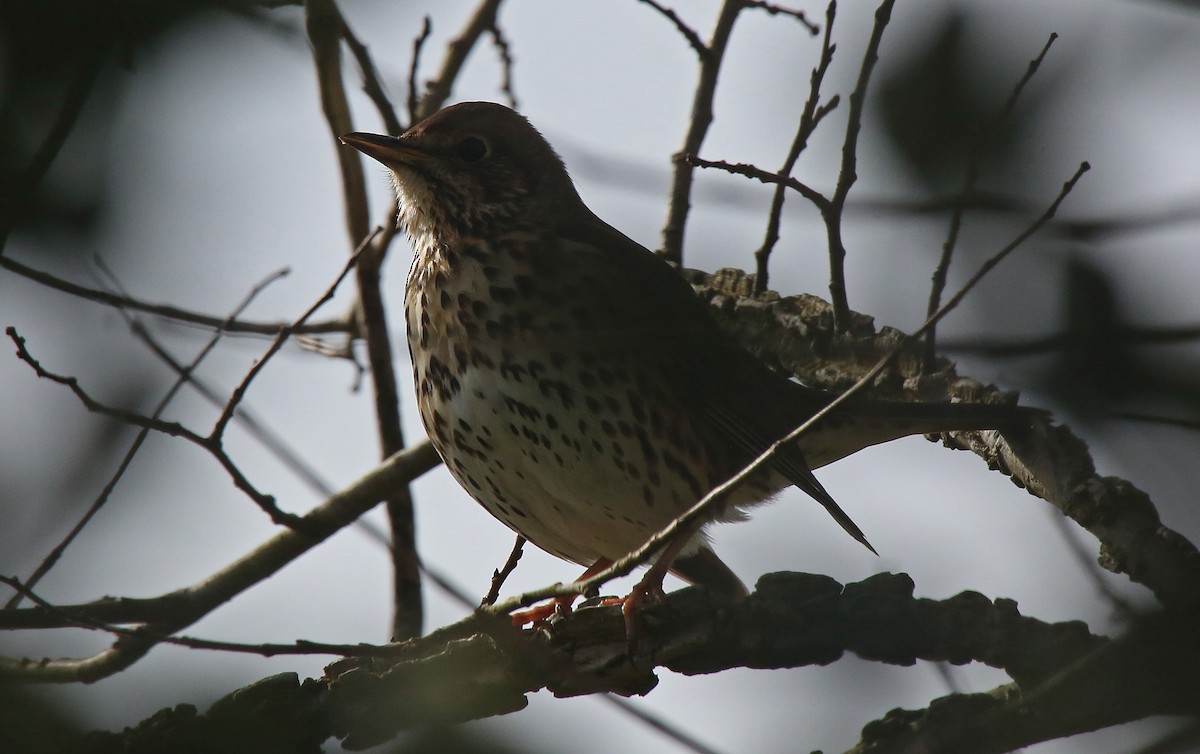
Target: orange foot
[545,611]
[648,591]
[558,605]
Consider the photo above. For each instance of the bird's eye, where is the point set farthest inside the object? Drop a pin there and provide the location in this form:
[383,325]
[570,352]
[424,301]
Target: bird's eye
[472,149]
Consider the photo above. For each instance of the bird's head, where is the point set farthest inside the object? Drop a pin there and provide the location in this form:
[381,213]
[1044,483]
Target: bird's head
[472,169]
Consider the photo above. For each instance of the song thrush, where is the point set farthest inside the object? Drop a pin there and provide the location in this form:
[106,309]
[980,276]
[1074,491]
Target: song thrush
[572,382]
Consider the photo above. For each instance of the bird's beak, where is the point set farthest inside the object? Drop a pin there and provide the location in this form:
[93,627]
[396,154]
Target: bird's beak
[389,150]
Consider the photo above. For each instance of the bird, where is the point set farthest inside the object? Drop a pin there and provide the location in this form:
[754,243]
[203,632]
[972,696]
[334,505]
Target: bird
[573,382]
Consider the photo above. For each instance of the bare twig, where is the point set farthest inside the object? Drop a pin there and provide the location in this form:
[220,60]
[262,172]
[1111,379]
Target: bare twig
[438,90]
[499,577]
[414,67]
[162,310]
[665,727]
[686,31]
[212,442]
[991,263]
[506,64]
[274,443]
[80,619]
[765,176]
[371,83]
[56,553]
[182,608]
[810,117]
[974,167]
[701,118]
[173,429]
[832,213]
[239,392]
[778,10]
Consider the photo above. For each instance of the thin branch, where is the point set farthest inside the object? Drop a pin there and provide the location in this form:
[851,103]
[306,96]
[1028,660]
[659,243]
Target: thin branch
[500,576]
[991,263]
[215,439]
[688,33]
[414,66]
[810,117]
[974,168]
[184,607]
[848,174]
[213,442]
[162,310]
[239,393]
[133,418]
[372,84]
[438,90]
[173,429]
[778,10]
[67,618]
[324,25]
[665,727]
[57,551]
[275,443]
[764,176]
[701,118]
[506,64]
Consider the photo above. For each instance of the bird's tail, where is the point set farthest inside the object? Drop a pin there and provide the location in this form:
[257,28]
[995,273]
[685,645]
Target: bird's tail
[861,424]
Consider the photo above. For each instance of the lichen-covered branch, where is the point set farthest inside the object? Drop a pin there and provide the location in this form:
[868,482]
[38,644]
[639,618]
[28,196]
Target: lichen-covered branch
[791,620]
[797,334]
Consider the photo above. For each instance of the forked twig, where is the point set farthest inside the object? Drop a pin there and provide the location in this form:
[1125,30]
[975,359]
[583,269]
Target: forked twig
[833,212]
[811,116]
[102,498]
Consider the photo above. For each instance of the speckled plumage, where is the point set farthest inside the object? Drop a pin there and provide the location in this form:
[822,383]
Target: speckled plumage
[573,383]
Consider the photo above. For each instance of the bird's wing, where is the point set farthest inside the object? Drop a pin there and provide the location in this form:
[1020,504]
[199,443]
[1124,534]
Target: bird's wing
[651,309]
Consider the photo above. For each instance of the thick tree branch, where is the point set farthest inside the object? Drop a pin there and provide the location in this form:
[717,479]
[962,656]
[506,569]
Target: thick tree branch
[791,620]
[1152,670]
[797,334]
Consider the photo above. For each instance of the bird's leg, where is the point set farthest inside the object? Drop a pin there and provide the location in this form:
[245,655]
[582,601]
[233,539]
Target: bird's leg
[650,588]
[558,605]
